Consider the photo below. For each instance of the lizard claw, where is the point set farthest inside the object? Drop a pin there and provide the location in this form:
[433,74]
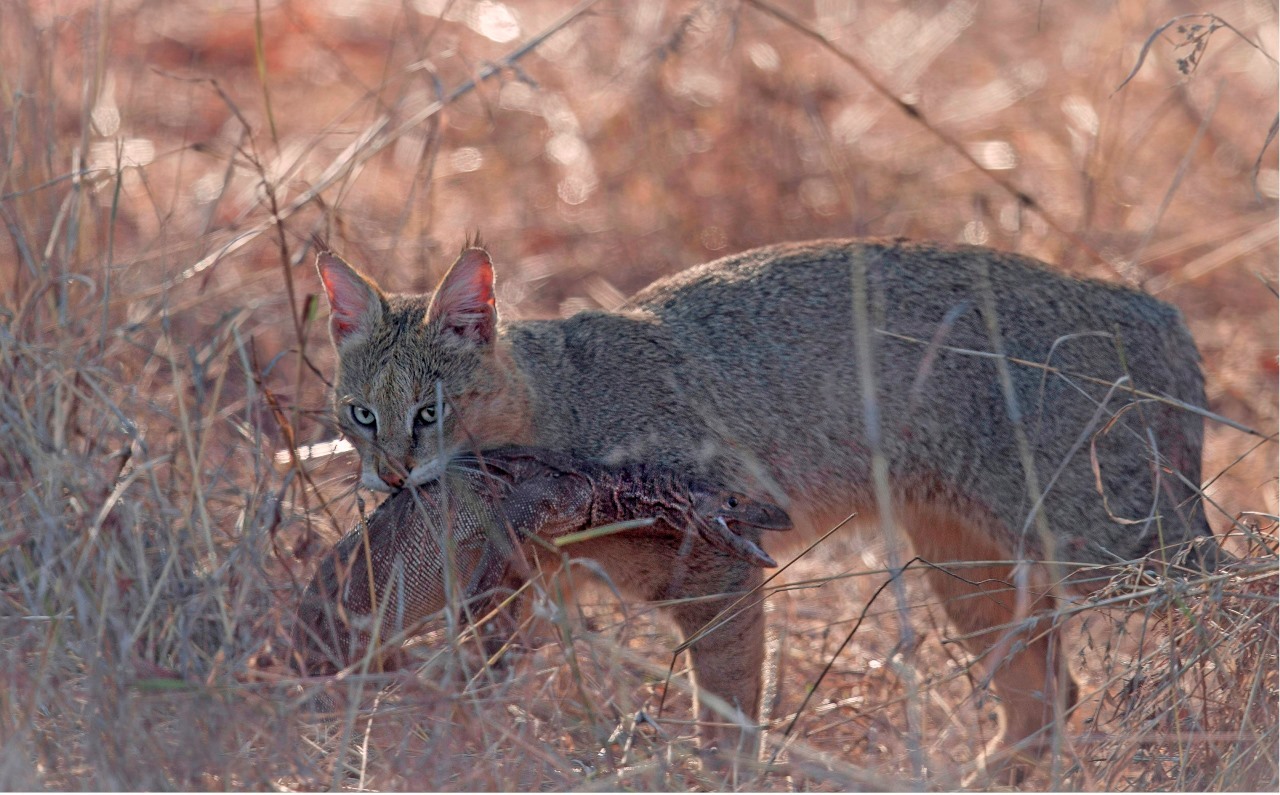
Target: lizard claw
[731,542]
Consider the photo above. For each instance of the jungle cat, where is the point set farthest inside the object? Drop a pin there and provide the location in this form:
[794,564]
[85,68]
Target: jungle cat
[1015,413]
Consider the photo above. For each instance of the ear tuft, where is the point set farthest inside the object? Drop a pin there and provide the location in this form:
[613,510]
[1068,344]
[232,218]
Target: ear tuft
[463,303]
[355,302]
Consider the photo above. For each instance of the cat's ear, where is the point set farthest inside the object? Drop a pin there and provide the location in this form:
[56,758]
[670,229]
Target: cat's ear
[355,302]
[463,303]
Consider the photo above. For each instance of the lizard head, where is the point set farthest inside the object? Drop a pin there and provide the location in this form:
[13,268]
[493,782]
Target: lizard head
[732,522]
[719,505]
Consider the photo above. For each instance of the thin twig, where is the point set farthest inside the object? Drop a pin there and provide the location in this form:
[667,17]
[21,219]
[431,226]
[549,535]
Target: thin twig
[373,140]
[951,142]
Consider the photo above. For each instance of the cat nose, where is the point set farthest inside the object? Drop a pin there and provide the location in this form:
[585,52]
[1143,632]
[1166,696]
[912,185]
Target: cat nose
[393,479]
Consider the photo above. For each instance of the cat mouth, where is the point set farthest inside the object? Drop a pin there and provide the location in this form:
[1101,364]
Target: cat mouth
[371,481]
[426,473]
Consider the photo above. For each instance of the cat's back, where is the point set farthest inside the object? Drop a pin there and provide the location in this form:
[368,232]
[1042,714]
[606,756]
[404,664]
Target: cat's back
[793,305]
[902,274]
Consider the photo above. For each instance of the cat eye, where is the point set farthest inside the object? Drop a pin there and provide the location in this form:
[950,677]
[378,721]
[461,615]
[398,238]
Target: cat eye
[363,416]
[428,413]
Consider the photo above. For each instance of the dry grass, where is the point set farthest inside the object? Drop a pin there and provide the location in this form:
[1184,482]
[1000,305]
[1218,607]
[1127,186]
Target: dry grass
[164,166]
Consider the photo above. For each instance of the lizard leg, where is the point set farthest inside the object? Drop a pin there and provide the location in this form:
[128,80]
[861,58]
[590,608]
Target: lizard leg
[726,539]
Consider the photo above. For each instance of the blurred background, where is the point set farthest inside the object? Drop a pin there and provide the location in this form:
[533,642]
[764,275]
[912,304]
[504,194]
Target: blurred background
[167,162]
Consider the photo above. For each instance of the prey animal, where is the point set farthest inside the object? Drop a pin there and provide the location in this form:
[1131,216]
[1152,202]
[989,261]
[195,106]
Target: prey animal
[460,534]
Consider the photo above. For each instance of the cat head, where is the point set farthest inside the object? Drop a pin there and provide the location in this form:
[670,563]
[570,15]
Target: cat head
[420,377]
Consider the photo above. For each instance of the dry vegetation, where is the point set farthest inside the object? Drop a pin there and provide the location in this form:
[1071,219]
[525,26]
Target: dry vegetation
[163,166]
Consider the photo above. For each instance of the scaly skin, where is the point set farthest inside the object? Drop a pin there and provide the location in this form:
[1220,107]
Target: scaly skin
[555,494]
[478,508]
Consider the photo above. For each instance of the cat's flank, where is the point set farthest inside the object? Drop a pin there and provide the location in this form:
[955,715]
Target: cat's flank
[747,370]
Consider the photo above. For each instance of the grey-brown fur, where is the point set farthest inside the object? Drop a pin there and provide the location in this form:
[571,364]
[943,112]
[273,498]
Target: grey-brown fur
[750,358]
[745,369]
[482,505]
